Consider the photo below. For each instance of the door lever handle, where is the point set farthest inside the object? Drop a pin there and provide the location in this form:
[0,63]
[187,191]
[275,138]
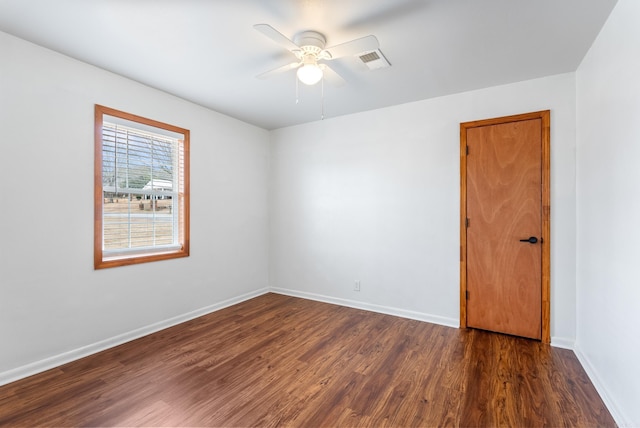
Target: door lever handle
[532,240]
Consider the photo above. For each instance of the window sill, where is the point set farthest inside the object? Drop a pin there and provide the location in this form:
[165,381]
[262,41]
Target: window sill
[132,259]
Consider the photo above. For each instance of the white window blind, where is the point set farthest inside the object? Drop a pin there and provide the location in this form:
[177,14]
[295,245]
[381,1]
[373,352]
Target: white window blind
[141,181]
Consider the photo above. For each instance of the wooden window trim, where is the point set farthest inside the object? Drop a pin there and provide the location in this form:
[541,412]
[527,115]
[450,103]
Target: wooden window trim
[184,194]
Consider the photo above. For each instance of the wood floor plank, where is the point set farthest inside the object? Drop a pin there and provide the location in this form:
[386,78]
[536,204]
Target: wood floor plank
[282,361]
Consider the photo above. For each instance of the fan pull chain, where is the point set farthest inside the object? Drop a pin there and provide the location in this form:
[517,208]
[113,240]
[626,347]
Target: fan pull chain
[297,91]
[322,98]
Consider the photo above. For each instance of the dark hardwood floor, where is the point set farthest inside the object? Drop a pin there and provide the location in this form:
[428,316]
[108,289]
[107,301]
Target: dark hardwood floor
[283,361]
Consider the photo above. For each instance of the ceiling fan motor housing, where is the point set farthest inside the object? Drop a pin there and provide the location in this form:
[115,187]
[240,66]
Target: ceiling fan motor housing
[311,39]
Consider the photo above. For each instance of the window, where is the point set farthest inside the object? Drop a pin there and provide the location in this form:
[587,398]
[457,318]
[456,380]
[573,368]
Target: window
[141,190]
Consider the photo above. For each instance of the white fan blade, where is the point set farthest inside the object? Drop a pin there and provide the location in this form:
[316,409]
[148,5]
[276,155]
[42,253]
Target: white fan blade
[277,37]
[368,43]
[331,76]
[278,70]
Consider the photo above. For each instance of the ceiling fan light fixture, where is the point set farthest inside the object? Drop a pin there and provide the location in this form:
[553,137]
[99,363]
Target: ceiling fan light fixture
[310,73]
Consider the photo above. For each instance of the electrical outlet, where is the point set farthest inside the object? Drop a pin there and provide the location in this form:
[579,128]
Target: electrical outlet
[356,285]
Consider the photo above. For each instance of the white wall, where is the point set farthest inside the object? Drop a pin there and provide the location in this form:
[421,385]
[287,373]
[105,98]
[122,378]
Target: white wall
[52,302]
[375,197]
[608,204]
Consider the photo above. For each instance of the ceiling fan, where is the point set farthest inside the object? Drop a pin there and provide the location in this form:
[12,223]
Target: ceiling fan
[312,55]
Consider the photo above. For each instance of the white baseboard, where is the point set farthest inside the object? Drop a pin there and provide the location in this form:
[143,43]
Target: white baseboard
[620,419]
[75,354]
[562,342]
[420,316]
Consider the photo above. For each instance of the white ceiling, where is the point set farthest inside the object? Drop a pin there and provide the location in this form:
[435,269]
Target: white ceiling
[207,51]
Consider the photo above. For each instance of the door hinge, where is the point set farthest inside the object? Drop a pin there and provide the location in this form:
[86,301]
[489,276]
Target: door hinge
[466,294]
[467,150]
[466,222]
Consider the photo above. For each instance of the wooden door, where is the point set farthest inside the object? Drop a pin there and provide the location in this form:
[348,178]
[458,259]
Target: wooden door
[506,234]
